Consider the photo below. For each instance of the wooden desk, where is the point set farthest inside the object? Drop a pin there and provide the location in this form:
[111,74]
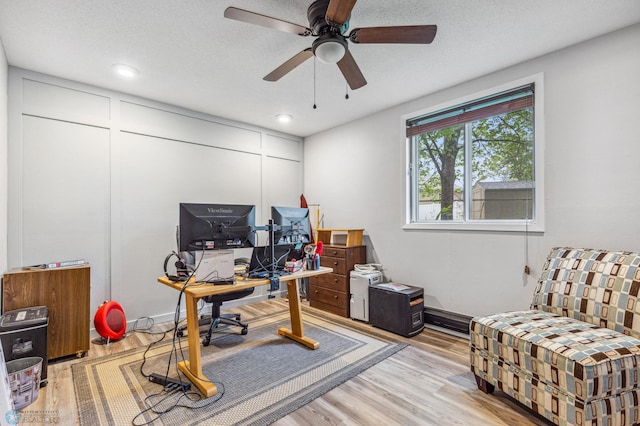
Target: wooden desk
[194,291]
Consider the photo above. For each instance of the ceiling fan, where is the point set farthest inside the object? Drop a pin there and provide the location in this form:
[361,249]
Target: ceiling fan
[329,21]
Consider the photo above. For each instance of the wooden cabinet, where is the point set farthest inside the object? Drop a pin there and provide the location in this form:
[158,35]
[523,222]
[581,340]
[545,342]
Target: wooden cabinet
[66,292]
[330,292]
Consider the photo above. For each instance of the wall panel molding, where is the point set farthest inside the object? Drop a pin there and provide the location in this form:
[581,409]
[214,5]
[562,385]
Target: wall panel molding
[135,160]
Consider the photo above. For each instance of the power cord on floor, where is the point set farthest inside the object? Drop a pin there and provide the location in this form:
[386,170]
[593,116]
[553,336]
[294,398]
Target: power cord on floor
[171,400]
[168,398]
[144,354]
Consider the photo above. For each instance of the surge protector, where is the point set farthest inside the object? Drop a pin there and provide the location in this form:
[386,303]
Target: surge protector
[169,383]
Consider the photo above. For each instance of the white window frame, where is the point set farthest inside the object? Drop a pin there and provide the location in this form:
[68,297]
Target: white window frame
[516,225]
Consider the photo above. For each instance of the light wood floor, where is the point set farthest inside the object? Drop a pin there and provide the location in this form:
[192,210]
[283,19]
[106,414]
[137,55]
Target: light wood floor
[427,383]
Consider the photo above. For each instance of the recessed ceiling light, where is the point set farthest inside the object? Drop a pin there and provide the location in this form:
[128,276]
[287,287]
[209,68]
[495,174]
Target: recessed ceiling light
[126,71]
[284,118]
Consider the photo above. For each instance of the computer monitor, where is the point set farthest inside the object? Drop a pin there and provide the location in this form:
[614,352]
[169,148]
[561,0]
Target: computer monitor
[216,226]
[292,225]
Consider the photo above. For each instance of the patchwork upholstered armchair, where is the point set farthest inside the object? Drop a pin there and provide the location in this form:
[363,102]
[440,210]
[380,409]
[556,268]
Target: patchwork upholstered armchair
[574,357]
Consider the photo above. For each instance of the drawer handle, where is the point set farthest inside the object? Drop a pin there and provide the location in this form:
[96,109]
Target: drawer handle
[335,263]
[335,297]
[335,252]
[316,291]
[335,280]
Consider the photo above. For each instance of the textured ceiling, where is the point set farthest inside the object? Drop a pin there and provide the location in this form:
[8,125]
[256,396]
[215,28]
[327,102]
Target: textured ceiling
[189,55]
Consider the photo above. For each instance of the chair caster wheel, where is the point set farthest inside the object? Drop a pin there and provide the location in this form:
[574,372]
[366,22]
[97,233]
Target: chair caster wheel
[244,331]
[180,333]
[206,342]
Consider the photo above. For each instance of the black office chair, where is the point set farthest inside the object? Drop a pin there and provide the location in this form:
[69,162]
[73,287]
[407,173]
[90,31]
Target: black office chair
[216,318]
[216,301]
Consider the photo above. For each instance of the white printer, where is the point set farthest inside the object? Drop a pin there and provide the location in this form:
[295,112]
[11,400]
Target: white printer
[360,280]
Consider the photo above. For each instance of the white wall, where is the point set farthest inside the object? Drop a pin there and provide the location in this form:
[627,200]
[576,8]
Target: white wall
[591,170]
[99,175]
[4,72]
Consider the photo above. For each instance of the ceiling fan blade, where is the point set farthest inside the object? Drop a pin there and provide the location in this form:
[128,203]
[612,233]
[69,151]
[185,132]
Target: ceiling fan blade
[265,21]
[418,34]
[338,11]
[289,65]
[351,71]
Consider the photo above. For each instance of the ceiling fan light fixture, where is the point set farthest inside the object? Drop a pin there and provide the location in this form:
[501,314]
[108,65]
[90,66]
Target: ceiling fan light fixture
[329,22]
[330,49]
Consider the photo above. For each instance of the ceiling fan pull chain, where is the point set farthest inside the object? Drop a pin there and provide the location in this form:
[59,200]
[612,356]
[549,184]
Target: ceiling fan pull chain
[314,82]
[346,91]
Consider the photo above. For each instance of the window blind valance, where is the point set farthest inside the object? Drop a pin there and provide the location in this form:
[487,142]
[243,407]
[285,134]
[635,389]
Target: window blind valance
[501,103]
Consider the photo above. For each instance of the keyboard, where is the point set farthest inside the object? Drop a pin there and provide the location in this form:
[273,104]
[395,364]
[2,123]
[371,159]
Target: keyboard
[225,281]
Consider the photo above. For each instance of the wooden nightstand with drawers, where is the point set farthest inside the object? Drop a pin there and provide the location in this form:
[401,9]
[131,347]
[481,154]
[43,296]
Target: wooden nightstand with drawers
[330,292]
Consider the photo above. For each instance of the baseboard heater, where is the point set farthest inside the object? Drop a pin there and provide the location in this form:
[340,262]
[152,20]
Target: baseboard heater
[449,320]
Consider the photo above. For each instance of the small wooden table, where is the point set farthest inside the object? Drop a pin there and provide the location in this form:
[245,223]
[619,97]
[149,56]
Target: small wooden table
[194,291]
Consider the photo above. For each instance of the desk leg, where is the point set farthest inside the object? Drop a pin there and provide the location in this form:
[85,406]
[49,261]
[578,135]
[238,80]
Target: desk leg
[296,333]
[193,368]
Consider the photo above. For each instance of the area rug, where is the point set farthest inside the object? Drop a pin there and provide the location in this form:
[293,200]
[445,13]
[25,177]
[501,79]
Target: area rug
[261,376]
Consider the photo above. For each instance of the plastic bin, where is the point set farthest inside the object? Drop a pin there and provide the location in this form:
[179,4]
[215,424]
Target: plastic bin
[24,380]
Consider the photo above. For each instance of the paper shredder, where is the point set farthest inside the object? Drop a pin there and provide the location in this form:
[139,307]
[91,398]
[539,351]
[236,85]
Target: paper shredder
[23,333]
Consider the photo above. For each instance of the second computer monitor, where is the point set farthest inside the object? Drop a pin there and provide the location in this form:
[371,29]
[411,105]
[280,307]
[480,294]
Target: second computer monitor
[292,225]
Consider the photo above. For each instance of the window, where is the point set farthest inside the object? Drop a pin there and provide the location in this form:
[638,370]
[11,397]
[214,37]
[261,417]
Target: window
[472,164]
